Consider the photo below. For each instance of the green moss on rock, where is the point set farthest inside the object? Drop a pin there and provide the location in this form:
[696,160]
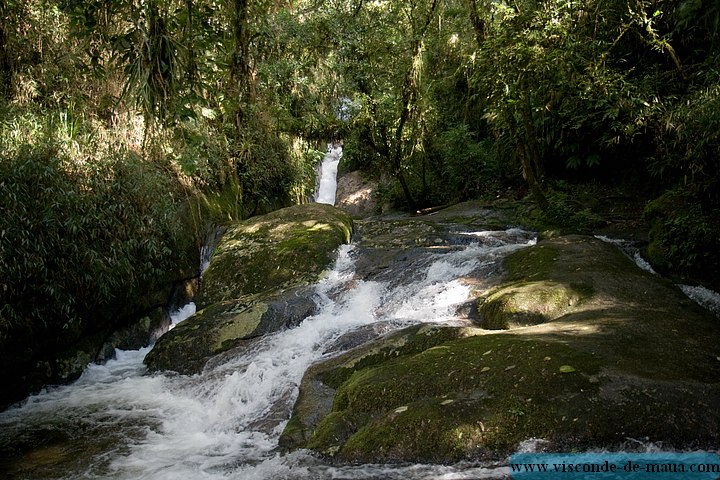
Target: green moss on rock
[622,354]
[285,248]
[529,303]
[227,325]
[469,395]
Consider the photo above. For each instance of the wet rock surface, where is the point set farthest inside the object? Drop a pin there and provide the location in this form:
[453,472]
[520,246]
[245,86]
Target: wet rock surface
[256,283]
[570,342]
[228,325]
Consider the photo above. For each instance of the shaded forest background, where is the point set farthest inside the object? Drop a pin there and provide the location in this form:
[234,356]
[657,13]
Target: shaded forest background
[128,128]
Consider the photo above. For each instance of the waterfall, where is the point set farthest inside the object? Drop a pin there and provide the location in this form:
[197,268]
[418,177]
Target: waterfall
[117,421]
[327,184]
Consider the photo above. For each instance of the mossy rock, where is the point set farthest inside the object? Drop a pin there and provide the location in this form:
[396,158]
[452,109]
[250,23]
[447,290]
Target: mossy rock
[227,325]
[525,304]
[320,381]
[282,249]
[633,358]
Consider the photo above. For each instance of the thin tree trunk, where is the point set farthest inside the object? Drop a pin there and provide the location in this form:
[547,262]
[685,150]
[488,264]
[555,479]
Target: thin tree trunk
[240,66]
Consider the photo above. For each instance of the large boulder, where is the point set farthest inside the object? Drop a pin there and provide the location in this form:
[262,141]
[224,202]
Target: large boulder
[257,283]
[228,325]
[271,252]
[618,354]
[357,195]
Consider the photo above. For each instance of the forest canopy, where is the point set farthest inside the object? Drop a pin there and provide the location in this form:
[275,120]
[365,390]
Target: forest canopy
[128,127]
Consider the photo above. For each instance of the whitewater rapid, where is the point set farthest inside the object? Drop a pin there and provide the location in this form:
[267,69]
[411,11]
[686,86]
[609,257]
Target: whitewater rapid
[117,421]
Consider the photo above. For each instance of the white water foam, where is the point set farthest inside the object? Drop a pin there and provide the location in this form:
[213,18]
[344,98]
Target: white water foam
[328,176]
[183,313]
[225,423]
[628,248]
[437,293]
[707,298]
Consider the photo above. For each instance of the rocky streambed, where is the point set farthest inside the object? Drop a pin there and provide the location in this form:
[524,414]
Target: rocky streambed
[574,345]
[447,338]
[566,341]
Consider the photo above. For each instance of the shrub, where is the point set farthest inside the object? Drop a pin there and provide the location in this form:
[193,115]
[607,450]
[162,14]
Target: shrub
[689,146]
[470,167]
[78,238]
[684,237]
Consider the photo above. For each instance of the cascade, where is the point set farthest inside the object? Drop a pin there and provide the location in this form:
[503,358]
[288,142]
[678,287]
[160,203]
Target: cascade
[327,175]
[118,421]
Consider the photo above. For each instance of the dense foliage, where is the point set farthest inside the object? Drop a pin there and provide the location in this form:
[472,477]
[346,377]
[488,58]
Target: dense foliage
[128,126]
[458,99]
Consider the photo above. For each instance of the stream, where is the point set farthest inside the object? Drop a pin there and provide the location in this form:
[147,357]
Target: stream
[117,421]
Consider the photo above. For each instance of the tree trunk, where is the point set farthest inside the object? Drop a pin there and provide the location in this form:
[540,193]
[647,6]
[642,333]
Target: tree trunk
[528,148]
[240,65]
[526,154]
[477,23]
[409,94]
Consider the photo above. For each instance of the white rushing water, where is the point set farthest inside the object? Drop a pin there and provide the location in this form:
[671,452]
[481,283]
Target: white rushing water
[629,249]
[119,422]
[704,297]
[327,185]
